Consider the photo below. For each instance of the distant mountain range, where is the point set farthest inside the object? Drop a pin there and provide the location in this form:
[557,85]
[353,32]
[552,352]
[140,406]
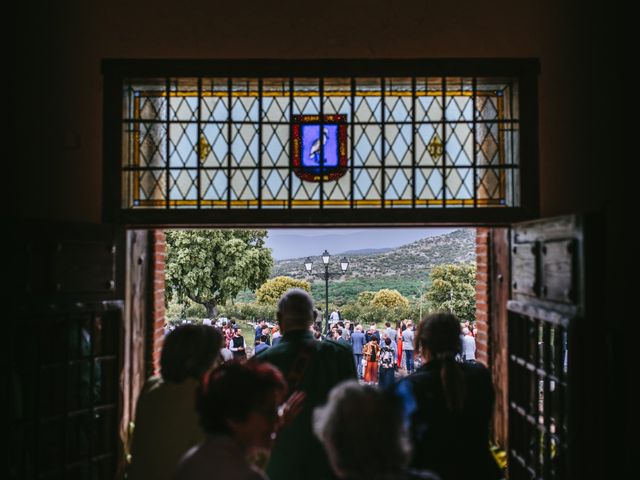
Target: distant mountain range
[408,261]
[365,251]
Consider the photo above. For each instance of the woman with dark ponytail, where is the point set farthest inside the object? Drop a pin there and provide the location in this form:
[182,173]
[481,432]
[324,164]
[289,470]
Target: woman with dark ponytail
[448,405]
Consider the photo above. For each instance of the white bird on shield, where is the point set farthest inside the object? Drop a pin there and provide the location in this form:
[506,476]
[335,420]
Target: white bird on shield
[314,153]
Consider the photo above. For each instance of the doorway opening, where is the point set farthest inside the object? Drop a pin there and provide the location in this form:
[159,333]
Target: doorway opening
[401,261]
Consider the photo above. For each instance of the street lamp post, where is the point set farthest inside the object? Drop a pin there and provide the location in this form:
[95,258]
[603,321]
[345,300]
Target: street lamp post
[308,265]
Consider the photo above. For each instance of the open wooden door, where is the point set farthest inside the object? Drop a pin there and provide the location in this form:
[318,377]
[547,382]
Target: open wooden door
[548,315]
[68,350]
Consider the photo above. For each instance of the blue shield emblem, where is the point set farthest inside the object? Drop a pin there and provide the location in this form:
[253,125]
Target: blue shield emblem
[319,149]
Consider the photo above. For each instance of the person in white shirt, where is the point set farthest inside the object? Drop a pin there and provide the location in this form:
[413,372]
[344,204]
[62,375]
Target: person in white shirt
[468,346]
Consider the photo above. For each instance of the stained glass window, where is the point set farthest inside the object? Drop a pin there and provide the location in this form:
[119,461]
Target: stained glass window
[294,142]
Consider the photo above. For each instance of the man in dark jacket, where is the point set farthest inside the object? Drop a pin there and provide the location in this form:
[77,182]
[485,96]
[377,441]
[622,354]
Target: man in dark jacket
[314,368]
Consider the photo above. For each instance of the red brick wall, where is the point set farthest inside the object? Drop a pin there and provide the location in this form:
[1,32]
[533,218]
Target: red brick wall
[482,295]
[159,250]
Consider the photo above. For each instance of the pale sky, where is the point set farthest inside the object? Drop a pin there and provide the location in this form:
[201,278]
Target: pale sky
[303,242]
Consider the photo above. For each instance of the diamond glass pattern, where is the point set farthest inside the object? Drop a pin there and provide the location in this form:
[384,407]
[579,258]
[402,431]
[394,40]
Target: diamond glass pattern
[487,107]
[244,145]
[216,137]
[459,101]
[398,184]
[336,192]
[459,145]
[367,184]
[214,104]
[368,143]
[183,138]
[152,185]
[183,99]
[425,133]
[398,141]
[214,185]
[490,184]
[487,143]
[152,146]
[226,143]
[398,99]
[275,184]
[183,184]
[151,107]
[244,184]
[302,192]
[275,145]
[429,184]
[459,183]
[215,109]
[428,100]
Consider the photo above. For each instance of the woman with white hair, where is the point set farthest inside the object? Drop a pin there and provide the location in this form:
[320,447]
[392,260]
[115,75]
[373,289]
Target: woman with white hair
[362,431]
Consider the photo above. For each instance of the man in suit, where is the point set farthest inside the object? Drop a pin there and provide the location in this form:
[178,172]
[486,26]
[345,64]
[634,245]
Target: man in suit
[311,367]
[357,342]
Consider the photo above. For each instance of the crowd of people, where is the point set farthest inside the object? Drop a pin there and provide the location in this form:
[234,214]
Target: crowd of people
[309,405]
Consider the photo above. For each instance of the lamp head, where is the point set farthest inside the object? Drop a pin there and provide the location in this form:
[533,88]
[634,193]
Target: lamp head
[344,264]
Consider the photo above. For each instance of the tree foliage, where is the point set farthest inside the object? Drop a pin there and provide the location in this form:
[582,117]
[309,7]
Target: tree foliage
[210,267]
[453,288]
[386,298]
[366,297]
[271,290]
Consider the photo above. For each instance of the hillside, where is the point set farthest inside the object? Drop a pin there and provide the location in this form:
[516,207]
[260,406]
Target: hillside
[408,261]
[404,268]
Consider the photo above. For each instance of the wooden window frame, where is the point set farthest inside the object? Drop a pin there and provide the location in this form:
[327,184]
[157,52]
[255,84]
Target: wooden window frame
[116,72]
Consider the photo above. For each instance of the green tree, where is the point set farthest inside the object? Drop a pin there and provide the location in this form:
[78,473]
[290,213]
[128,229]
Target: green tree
[386,298]
[210,267]
[271,290]
[366,297]
[453,288]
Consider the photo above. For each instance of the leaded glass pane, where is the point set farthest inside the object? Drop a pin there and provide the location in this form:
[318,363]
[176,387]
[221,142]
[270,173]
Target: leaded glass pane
[214,185]
[459,100]
[304,194]
[244,99]
[151,188]
[275,145]
[367,185]
[183,138]
[151,107]
[428,100]
[275,186]
[429,187]
[337,193]
[244,185]
[490,185]
[150,145]
[214,104]
[337,96]
[275,99]
[368,100]
[244,145]
[459,185]
[368,145]
[214,147]
[306,100]
[398,141]
[487,144]
[428,144]
[398,99]
[183,99]
[183,184]
[231,142]
[398,184]
[459,144]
